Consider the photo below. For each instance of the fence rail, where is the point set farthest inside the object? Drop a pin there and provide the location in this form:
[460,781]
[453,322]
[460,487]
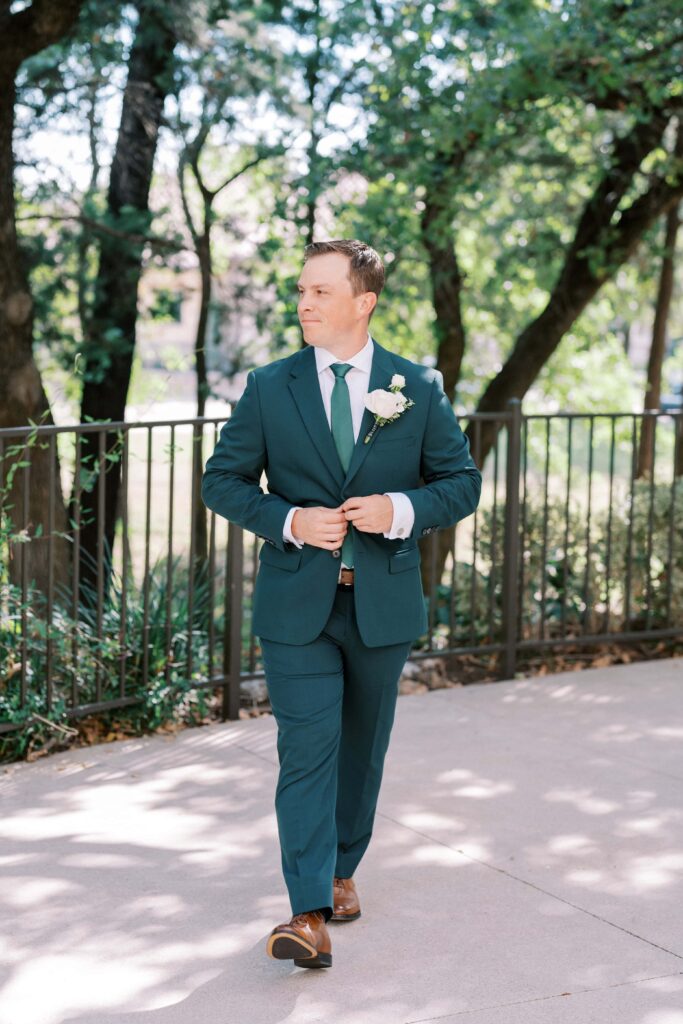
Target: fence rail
[114,578]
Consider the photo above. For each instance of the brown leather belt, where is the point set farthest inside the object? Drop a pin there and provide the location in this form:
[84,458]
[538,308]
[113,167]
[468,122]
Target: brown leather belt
[345,578]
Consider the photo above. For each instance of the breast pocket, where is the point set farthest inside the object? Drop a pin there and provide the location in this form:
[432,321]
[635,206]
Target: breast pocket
[395,440]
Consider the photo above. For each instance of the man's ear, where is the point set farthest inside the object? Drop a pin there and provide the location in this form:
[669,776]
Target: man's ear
[369,302]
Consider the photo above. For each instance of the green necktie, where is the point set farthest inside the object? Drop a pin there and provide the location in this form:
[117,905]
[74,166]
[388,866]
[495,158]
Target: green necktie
[342,432]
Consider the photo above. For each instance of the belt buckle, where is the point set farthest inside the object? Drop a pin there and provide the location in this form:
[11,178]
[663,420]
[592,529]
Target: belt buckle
[346,583]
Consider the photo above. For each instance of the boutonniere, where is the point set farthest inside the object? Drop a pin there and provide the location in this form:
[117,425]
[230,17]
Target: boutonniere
[387,405]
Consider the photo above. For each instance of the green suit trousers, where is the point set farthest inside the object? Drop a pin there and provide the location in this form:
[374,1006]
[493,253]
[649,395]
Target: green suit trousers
[334,701]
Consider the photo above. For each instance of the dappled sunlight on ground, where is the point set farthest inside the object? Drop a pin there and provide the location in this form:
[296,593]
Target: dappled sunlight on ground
[526,865]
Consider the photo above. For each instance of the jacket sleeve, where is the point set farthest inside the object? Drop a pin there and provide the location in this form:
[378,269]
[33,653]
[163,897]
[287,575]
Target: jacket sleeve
[231,480]
[452,482]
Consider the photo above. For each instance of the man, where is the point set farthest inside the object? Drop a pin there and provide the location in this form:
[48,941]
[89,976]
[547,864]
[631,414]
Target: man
[338,598]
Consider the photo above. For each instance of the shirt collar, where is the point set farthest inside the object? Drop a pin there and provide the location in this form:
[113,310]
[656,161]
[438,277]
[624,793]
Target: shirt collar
[362,359]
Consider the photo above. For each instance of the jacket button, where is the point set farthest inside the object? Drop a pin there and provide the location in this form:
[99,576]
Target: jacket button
[337,553]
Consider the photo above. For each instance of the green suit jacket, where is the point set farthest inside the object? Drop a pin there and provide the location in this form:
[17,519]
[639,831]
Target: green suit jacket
[279,425]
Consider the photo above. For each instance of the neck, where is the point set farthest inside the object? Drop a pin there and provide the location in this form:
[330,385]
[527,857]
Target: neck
[345,348]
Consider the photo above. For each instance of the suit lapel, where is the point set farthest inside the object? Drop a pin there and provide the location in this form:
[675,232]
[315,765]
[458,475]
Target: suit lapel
[305,389]
[381,372]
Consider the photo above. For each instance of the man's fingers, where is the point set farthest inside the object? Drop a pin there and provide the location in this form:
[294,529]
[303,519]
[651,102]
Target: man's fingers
[330,531]
[332,515]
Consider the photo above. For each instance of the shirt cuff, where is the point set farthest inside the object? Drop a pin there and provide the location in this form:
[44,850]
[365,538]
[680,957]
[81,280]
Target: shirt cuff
[404,516]
[287,528]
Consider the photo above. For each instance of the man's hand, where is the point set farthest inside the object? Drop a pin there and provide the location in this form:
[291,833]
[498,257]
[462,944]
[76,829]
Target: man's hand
[322,527]
[372,514]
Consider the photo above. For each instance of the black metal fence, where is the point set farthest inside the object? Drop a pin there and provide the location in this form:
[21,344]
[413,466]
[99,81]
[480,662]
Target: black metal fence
[576,540]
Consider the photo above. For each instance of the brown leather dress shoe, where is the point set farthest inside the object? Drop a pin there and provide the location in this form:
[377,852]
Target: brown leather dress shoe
[346,903]
[305,939]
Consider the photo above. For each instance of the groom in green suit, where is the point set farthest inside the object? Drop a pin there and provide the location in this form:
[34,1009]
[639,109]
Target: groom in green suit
[363,455]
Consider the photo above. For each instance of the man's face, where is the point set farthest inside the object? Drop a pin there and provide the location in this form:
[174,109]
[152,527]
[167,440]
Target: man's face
[327,307]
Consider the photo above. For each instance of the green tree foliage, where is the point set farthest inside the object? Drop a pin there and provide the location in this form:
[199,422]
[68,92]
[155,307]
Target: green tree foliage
[468,141]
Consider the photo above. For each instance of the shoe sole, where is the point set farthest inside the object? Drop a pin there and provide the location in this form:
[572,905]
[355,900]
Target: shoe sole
[321,960]
[286,947]
[345,917]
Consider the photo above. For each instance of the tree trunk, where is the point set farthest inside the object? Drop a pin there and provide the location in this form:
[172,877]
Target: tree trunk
[599,248]
[657,348]
[678,458]
[110,347]
[201,237]
[580,279]
[22,397]
[199,527]
[446,282]
[653,393]
[312,77]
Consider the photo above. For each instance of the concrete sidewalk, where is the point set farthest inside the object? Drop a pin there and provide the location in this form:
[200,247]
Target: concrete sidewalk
[526,868]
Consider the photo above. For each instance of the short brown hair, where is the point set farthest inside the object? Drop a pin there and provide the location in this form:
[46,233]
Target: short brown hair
[366,270]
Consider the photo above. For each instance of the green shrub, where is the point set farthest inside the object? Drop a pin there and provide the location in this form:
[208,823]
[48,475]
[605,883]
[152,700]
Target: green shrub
[81,659]
[572,580]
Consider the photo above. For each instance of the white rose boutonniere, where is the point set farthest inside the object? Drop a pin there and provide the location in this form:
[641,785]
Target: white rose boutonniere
[387,405]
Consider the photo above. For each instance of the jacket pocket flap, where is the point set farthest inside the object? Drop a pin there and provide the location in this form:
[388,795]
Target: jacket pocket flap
[282,559]
[406,440]
[407,558]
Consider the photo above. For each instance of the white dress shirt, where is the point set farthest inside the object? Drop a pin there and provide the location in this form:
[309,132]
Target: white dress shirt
[358,381]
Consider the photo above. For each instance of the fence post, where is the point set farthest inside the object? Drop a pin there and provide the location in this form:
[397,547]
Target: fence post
[511,538]
[232,623]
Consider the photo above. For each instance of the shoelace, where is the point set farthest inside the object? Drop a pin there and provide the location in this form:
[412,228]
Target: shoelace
[303,917]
